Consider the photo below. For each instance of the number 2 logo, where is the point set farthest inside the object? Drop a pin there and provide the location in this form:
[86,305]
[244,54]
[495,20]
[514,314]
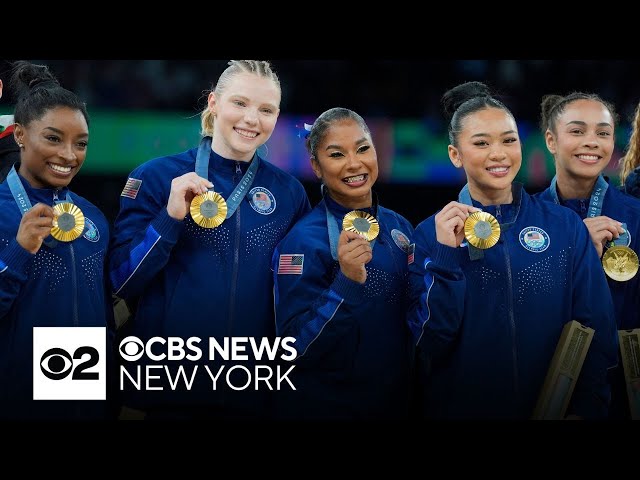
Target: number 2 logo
[57,363]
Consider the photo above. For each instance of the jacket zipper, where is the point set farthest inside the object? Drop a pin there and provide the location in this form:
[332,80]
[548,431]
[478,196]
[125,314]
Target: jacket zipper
[512,321]
[236,259]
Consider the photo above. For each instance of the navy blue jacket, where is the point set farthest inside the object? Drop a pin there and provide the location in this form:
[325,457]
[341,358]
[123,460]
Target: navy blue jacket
[354,349]
[193,281]
[487,329]
[623,208]
[625,295]
[64,286]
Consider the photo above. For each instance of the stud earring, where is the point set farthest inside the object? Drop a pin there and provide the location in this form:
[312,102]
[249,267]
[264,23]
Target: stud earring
[21,145]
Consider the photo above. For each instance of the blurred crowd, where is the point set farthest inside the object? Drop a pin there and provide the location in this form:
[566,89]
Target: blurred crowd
[398,88]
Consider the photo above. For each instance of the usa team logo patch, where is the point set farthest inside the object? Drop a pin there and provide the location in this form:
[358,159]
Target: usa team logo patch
[402,242]
[131,188]
[291,264]
[91,232]
[534,239]
[400,239]
[262,200]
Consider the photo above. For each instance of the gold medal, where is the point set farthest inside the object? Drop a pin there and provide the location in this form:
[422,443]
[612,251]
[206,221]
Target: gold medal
[482,230]
[361,223]
[208,210]
[620,263]
[68,222]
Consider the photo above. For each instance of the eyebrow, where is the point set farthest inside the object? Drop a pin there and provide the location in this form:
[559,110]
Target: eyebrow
[247,99]
[508,132]
[584,124]
[358,142]
[54,129]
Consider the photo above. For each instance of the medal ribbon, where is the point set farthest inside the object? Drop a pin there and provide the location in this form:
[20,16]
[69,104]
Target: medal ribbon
[334,231]
[202,170]
[596,203]
[465,197]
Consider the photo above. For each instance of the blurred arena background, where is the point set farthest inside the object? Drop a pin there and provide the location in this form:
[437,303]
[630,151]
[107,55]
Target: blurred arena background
[141,109]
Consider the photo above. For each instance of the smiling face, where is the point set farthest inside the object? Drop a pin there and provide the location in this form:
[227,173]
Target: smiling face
[489,150]
[55,147]
[245,115]
[583,140]
[347,163]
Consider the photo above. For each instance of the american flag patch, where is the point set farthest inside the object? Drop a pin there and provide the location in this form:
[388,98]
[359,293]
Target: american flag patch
[290,264]
[411,250]
[131,188]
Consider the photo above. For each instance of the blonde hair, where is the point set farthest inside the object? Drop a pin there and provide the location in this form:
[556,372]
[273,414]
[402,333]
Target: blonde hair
[260,68]
[632,158]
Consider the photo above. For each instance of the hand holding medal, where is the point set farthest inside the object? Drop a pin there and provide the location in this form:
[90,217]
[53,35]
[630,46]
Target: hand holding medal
[355,249]
[450,223]
[183,191]
[207,208]
[354,252]
[34,227]
[620,262]
[605,232]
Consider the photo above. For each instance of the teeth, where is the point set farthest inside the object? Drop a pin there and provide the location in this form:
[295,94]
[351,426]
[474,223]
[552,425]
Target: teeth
[357,178]
[498,169]
[247,133]
[59,168]
[588,157]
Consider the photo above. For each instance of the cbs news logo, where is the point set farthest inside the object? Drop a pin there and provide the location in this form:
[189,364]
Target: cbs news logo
[69,363]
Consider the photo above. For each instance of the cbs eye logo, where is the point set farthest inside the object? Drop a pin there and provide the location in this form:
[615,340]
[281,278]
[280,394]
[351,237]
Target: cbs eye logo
[131,349]
[69,363]
[56,363]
